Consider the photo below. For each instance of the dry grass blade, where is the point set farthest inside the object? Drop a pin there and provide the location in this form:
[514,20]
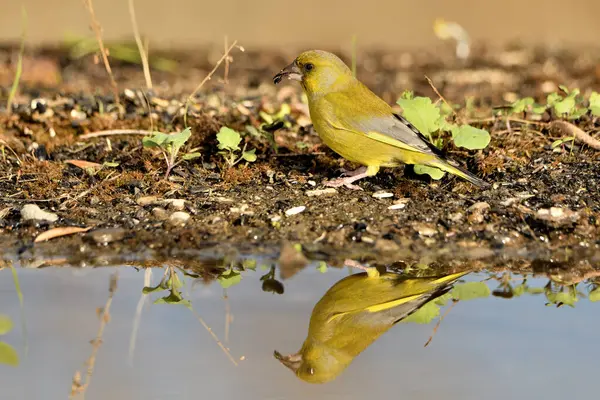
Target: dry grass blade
[83,164]
[95,25]
[214,336]
[115,132]
[141,49]
[568,129]
[59,232]
[440,95]
[206,79]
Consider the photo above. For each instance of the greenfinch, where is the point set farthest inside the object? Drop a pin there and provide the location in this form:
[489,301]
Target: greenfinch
[353,313]
[358,125]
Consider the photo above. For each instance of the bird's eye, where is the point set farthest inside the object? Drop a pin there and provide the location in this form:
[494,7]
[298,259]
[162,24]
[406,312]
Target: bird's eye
[311,371]
[309,67]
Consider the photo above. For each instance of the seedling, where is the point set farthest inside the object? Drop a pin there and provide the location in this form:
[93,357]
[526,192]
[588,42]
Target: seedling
[169,145]
[170,283]
[229,144]
[430,118]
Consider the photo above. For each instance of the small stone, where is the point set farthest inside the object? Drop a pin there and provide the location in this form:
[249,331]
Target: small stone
[477,212]
[295,210]
[159,213]
[425,229]
[321,192]
[382,194]
[557,215]
[33,212]
[179,218]
[175,204]
[147,200]
[456,217]
[398,206]
[106,236]
[78,115]
[312,183]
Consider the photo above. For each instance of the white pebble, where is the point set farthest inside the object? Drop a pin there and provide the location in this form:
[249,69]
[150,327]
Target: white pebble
[382,195]
[295,210]
[32,211]
[399,206]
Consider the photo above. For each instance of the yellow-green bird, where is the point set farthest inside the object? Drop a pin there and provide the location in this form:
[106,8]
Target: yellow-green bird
[353,314]
[358,125]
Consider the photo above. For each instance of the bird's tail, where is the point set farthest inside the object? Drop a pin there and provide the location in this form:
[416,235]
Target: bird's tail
[459,171]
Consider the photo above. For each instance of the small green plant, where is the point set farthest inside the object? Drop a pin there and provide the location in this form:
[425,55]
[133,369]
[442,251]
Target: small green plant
[568,104]
[430,118]
[8,355]
[229,144]
[169,145]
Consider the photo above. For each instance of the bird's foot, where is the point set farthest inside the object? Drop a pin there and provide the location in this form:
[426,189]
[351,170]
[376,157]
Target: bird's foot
[342,182]
[372,272]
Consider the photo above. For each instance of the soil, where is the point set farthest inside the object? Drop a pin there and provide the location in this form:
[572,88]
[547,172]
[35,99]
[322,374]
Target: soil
[544,203]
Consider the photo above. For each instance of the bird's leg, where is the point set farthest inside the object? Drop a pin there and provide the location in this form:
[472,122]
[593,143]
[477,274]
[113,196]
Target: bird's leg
[371,271]
[357,171]
[352,176]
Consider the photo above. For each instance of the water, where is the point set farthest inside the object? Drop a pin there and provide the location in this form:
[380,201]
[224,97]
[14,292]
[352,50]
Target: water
[490,347]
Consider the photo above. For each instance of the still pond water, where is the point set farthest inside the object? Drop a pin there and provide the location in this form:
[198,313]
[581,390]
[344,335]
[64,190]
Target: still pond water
[487,347]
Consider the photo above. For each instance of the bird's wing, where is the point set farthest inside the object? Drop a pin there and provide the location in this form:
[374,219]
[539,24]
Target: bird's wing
[376,120]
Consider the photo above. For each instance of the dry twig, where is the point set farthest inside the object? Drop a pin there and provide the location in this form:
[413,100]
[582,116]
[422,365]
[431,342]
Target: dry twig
[141,49]
[95,25]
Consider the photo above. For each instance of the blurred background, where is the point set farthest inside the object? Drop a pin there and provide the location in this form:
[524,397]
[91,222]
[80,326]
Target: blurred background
[277,23]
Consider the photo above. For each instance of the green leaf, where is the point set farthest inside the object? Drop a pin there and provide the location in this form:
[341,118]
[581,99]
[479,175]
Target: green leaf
[595,104]
[434,173]
[190,156]
[228,139]
[594,294]
[149,289]
[442,300]
[110,164]
[568,297]
[8,355]
[178,139]
[322,267]
[422,113]
[470,290]
[562,105]
[558,142]
[174,298]
[6,324]
[157,140]
[174,281]
[249,263]
[471,138]
[425,314]
[521,105]
[229,279]
[249,155]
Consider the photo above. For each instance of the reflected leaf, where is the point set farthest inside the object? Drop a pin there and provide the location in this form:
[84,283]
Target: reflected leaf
[8,355]
[595,295]
[6,324]
[425,314]
[470,290]
[174,298]
[229,278]
[149,289]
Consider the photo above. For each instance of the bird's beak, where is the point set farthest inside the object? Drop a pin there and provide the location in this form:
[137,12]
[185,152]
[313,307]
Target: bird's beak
[293,361]
[291,71]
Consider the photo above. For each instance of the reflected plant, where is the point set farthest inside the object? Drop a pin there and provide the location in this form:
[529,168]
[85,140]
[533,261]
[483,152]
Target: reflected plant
[8,355]
[270,284]
[171,283]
